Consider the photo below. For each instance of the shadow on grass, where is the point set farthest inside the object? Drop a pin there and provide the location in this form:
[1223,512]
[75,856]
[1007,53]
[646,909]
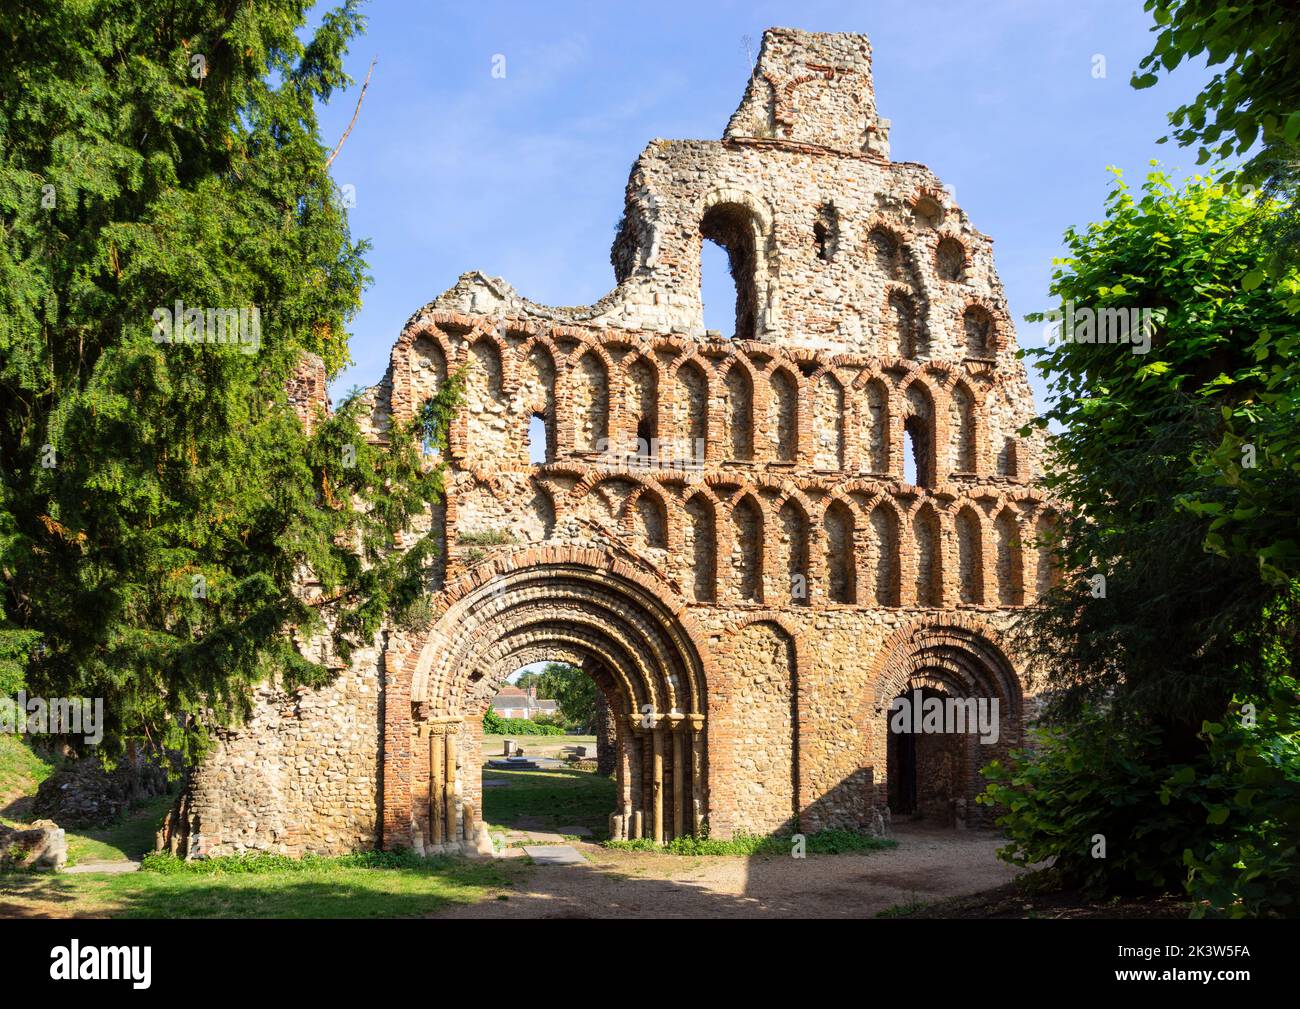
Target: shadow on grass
[547,799]
[325,893]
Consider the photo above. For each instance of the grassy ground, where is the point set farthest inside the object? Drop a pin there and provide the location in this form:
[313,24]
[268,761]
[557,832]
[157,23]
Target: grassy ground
[536,746]
[545,800]
[316,893]
[130,838]
[21,769]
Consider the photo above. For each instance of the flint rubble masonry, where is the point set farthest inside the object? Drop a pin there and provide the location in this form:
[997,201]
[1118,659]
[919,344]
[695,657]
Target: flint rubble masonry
[748,618]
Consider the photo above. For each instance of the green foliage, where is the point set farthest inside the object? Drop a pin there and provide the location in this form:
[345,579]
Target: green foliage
[824,842]
[1105,776]
[1253,497]
[1253,790]
[1250,108]
[318,888]
[1178,630]
[1223,826]
[22,769]
[573,690]
[495,725]
[261,863]
[1200,607]
[158,501]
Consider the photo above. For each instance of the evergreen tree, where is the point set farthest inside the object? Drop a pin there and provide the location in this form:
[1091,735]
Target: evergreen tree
[160,499]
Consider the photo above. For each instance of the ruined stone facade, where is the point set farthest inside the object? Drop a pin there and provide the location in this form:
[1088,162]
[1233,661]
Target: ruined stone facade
[722,533]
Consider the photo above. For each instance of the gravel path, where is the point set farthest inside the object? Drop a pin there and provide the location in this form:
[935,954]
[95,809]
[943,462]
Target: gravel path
[928,865]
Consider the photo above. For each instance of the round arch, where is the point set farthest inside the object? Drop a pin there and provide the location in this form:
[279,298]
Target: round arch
[618,621]
[955,657]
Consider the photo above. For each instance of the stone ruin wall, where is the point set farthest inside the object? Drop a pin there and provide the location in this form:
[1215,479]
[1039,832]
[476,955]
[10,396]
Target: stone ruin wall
[757,475]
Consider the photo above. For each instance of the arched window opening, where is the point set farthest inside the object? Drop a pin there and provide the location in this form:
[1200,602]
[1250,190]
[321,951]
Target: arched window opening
[747,551]
[875,441]
[918,452]
[644,395]
[740,414]
[929,560]
[900,327]
[1048,575]
[1007,462]
[794,547]
[884,252]
[541,440]
[701,544]
[826,232]
[693,413]
[918,438]
[828,424]
[962,431]
[885,559]
[1011,585]
[591,405]
[651,522]
[731,227]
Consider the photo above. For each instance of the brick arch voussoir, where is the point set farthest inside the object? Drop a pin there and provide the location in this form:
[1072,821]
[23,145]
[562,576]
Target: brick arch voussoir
[950,232]
[997,312]
[723,195]
[590,344]
[689,359]
[574,653]
[412,659]
[906,650]
[637,682]
[898,230]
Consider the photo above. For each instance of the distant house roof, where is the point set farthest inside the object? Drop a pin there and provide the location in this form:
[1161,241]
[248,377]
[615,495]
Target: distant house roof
[515,699]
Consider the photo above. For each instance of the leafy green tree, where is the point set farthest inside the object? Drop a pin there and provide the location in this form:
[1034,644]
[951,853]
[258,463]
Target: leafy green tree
[1250,108]
[572,689]
[159,500]
[1170,646]
[1147,615]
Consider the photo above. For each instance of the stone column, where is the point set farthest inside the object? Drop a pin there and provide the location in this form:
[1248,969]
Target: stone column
[697,774]
[679,774]
[657,735]
[437,744]
[449,778]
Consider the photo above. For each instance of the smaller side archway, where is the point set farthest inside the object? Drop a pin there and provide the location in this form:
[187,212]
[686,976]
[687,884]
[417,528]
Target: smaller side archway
[947,701]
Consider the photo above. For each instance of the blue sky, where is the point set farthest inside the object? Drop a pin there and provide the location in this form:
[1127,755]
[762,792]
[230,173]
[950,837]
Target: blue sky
[522,176]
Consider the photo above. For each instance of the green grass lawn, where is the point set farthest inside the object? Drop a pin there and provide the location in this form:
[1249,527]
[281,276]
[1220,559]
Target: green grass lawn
[325,892]
[549,799]
[21,768]
[130,838]
[535,746]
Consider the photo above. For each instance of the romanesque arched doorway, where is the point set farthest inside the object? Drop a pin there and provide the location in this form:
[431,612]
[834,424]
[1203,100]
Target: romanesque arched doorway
[609,616]
[948,704]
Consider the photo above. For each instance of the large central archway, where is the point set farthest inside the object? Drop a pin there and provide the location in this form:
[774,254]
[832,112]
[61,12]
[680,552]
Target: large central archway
[591,608]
